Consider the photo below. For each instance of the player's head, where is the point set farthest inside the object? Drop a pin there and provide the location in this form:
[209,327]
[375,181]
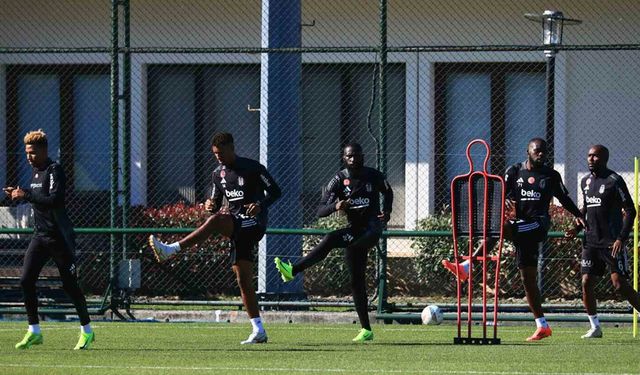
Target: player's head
[353,156]
[36,147]
[537,152]
[223,149]
[597,158]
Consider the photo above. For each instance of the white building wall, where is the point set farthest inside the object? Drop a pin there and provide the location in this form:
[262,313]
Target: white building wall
[594,101]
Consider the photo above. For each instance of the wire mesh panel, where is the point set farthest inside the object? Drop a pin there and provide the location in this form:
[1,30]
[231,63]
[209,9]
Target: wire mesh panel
[453,72]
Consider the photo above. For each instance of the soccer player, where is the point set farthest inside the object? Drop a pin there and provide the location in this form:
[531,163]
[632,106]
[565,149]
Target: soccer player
[53,238]
[243,183]
[530,186]
[610,213]
[356,191]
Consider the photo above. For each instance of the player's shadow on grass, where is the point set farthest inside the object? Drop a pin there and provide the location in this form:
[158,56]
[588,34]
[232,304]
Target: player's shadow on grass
[440,343]
[253,348]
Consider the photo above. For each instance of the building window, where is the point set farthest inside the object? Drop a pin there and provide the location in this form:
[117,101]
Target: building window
[196,101]
[71,104]
[503,103]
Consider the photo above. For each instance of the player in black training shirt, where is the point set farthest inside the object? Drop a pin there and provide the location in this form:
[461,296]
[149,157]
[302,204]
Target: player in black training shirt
[242,183]
[53,238]
[610,213]
[356,191]
[530,186]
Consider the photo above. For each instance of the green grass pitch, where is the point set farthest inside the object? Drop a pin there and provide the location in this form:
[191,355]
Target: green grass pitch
[213,348]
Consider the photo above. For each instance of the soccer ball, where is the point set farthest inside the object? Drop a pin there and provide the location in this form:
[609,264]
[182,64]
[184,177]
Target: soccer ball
[432,315]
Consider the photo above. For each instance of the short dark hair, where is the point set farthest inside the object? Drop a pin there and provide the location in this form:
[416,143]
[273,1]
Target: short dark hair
[605,151]
[221,139]
[537,140]
[355,146]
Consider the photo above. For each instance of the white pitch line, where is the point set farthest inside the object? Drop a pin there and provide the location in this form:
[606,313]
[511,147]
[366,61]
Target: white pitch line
[282,369]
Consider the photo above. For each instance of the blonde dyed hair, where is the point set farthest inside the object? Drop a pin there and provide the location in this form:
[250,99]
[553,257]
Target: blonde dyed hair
[36,138]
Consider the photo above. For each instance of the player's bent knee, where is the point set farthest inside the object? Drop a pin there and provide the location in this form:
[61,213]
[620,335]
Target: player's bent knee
[27,283]
[221,223]
[618,287]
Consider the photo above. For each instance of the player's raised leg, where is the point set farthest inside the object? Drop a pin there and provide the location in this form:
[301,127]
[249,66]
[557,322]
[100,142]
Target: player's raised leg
[221,223]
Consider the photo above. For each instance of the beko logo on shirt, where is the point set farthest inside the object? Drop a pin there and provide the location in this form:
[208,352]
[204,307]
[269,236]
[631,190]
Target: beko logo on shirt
[530,194]
[233,195]
[359,201]
[593,200]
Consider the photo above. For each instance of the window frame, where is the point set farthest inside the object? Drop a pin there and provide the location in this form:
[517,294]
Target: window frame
[65,74]
[498,72]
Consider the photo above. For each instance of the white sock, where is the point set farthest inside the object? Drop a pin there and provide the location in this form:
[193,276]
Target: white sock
[34,328]
[172,248]
[86,328]
[595,322]
[465,265]
[256,323]
[541,322]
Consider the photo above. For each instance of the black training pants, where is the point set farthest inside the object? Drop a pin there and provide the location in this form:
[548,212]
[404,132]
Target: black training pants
[40,250]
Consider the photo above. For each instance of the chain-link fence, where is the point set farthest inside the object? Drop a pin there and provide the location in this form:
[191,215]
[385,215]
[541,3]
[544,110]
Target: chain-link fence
[294,81]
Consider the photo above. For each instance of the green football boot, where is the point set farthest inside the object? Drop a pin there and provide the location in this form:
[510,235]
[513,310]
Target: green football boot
[285,269]
[85,340]
[364,335]
[29,340]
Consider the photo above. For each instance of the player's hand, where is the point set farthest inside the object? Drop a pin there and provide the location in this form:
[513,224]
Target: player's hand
[615,248]
[209,205]
[8,190]
[510,204]
[17,194]
[571,233]
[384,217]
[253,209]
[342,205]
[580,222]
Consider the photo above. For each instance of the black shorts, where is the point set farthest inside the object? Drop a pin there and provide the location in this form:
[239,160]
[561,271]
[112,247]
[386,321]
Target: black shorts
[595,260]
[247,232]
[359,236]
[529,236]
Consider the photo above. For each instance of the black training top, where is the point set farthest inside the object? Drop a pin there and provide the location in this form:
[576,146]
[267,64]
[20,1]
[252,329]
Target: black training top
[46,195]
[244,182]
[605,195]
[362,189]
[533,190]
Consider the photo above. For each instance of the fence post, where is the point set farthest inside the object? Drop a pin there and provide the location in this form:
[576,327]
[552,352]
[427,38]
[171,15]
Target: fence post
[115,107]
[281,136]
[126,126]
[382,151]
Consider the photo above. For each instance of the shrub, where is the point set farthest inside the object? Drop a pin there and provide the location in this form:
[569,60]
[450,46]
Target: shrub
[204,270]
[561,259]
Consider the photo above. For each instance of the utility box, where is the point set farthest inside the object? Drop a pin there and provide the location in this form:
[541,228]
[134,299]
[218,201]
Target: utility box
[129,274]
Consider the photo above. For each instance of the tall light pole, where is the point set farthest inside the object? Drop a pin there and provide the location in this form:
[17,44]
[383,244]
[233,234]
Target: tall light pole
[552,22]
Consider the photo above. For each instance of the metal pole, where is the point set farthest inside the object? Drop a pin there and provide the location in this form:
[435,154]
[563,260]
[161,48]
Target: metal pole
[551,87]
[550,120]
[382,152]
[636,169]
[114,132]
[126,126]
